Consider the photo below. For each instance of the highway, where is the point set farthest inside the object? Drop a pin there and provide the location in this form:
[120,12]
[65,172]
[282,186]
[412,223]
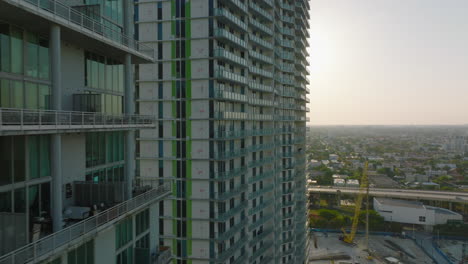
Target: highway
[457,197]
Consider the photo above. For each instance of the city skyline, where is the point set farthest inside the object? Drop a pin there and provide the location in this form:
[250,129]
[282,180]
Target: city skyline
[405,60]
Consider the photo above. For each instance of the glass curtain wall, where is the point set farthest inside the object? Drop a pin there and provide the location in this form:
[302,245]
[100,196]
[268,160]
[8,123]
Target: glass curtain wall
[23,54]
[105,77]
[23,203]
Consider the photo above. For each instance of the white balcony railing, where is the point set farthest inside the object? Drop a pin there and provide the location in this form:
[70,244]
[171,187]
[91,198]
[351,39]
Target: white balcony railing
[73,17]
[89,227]
[12,120]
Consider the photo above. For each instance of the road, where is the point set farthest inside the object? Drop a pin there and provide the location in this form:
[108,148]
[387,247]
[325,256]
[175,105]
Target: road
[457,197]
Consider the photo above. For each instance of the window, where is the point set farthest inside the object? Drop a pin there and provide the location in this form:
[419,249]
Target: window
[142,222]
[422,219]
[83,254]
[124,233]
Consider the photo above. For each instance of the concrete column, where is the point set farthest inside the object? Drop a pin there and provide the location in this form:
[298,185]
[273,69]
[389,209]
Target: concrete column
[129,135]
[56,142]
[128,20]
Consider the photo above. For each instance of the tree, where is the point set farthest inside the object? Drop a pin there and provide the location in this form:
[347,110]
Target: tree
[376,221]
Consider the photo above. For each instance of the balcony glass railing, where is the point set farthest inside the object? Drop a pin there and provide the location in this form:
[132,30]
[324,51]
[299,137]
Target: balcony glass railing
[258,192]
[237,22]
[261,236]
[28,119]
[260,207]
[260,11]
[48,245]
[260,87]
[266,218]
[222,217]
[230,154]
[228,194]
[261,176]
[287,6]
[227,75]
[222,176]
[261,27]
[231,231]
[223,33]
[237,4]
[231,250]
[222,53]
[266,246]
[260,162]
[261,57]
[74,18]
[220,94]
[259,71]
[260,42]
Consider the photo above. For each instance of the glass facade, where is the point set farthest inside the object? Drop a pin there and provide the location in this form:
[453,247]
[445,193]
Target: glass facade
[23,159]
[106,76]
[123,238]
[83,254]
[104,147]
[23,54]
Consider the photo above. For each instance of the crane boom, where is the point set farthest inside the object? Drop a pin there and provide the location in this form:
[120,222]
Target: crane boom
[363,191]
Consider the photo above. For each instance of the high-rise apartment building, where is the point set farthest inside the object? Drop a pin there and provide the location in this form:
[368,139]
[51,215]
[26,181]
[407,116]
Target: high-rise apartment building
[67,136]
[229,91]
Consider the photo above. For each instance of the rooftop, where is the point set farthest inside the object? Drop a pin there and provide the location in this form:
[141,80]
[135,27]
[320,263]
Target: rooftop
[403,203]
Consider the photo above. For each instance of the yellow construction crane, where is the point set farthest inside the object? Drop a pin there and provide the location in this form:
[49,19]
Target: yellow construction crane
[363,191]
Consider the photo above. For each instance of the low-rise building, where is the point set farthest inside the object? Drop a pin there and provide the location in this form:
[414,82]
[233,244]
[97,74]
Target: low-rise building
[352,183]
[413,212]
[333,157]
[339,182]
[314,163]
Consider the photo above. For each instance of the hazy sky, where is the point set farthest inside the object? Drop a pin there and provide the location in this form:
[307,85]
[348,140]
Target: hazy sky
[389,62]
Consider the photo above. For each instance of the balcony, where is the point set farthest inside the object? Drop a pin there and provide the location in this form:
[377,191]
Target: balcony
[237,5]
[260,42]
[260,147]
[25,121]
[287,6]
[258,71]
[223,33]
[258,25]
[260,207]
[262,117]
[222,217]
[223,176]
[230,134]
[230,76]
[227,16]
[223,256]
[260,162]
[266,218]
[260,251]
[221,53]
[257,193]
[231,96]
[260,11]
[260,236]
[260,57]
[76,27]
[88,228]
[228,194]
[260,87]
[231,115]
[288,19]
[261,176]
[230,154]
[232,231]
